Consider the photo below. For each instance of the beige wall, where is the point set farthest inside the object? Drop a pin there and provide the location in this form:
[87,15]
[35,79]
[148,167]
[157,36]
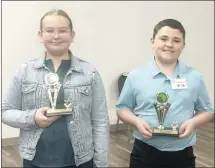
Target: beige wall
[113,36]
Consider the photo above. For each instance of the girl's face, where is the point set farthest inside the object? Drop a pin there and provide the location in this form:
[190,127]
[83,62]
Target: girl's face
[56,34]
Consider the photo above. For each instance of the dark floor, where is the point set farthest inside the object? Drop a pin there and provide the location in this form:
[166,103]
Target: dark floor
[120,149]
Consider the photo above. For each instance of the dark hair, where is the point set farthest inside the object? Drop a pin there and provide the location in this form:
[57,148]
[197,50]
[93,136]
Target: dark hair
[170,23]
[59,13]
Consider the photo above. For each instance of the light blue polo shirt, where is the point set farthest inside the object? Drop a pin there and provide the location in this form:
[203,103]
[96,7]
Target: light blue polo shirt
[139,95]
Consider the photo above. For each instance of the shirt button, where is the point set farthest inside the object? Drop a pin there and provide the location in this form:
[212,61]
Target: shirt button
[71,122]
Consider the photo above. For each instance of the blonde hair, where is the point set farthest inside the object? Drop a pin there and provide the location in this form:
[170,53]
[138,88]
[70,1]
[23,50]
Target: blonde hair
[58,12]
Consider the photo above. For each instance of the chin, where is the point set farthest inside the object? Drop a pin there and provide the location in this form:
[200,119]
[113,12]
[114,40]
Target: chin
[168,59]
[57,51]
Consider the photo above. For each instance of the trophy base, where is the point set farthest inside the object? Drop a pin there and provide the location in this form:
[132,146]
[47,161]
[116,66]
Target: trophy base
[165,132]
[57,112]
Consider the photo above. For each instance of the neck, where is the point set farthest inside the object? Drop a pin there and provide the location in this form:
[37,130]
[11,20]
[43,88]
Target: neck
[166,68]
[57,58]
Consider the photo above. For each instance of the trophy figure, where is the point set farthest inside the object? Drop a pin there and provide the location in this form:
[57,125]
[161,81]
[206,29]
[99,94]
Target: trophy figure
[52,86]
[161,107]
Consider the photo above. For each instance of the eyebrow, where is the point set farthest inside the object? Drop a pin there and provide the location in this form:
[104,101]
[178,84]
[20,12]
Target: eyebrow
[59,27]
[177,38]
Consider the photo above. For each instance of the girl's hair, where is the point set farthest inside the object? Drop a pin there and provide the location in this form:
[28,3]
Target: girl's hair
[59,13]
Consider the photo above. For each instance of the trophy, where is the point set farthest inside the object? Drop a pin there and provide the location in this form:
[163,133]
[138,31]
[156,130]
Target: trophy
[162,106]
[52,86]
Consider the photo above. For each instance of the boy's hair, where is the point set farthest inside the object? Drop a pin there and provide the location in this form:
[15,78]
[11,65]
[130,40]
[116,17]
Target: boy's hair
[170,23]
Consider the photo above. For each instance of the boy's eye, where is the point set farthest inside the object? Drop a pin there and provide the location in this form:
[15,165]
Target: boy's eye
[177,41]
[49,30]
[163,39]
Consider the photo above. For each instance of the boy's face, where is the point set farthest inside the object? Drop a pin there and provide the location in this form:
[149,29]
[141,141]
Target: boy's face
[56,34]
[168,44]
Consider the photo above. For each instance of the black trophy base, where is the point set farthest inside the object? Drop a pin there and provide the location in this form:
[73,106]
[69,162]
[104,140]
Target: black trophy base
[165,132]
[58,112]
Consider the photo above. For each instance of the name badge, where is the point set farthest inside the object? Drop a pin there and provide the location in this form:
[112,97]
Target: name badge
[179,83]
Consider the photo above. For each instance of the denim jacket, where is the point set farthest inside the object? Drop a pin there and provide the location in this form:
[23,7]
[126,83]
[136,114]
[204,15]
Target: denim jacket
[88,126]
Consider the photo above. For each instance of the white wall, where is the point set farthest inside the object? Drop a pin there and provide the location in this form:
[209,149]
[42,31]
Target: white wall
[113,36]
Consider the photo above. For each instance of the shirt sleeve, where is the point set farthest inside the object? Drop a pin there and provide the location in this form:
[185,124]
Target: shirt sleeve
[126,100]
[203,102]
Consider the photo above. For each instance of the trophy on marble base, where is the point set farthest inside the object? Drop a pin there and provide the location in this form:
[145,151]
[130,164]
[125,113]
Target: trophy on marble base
[52,86]
[162,106]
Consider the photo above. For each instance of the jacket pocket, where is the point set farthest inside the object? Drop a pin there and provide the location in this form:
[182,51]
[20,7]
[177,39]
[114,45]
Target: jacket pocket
[85,95]
[29,95]
[85,90]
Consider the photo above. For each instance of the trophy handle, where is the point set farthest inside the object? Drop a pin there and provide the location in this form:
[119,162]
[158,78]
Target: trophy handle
[50,98]
[56,92]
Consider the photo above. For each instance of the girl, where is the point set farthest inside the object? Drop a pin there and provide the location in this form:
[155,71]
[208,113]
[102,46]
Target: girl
[79,139]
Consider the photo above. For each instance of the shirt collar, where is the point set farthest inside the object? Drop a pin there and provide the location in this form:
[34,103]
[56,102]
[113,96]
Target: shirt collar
[180,68]
[155,70]
[75,62]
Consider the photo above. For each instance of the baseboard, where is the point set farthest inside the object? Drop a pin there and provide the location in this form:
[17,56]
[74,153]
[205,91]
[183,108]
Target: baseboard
[10,141]
[15,140]
[121,126]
